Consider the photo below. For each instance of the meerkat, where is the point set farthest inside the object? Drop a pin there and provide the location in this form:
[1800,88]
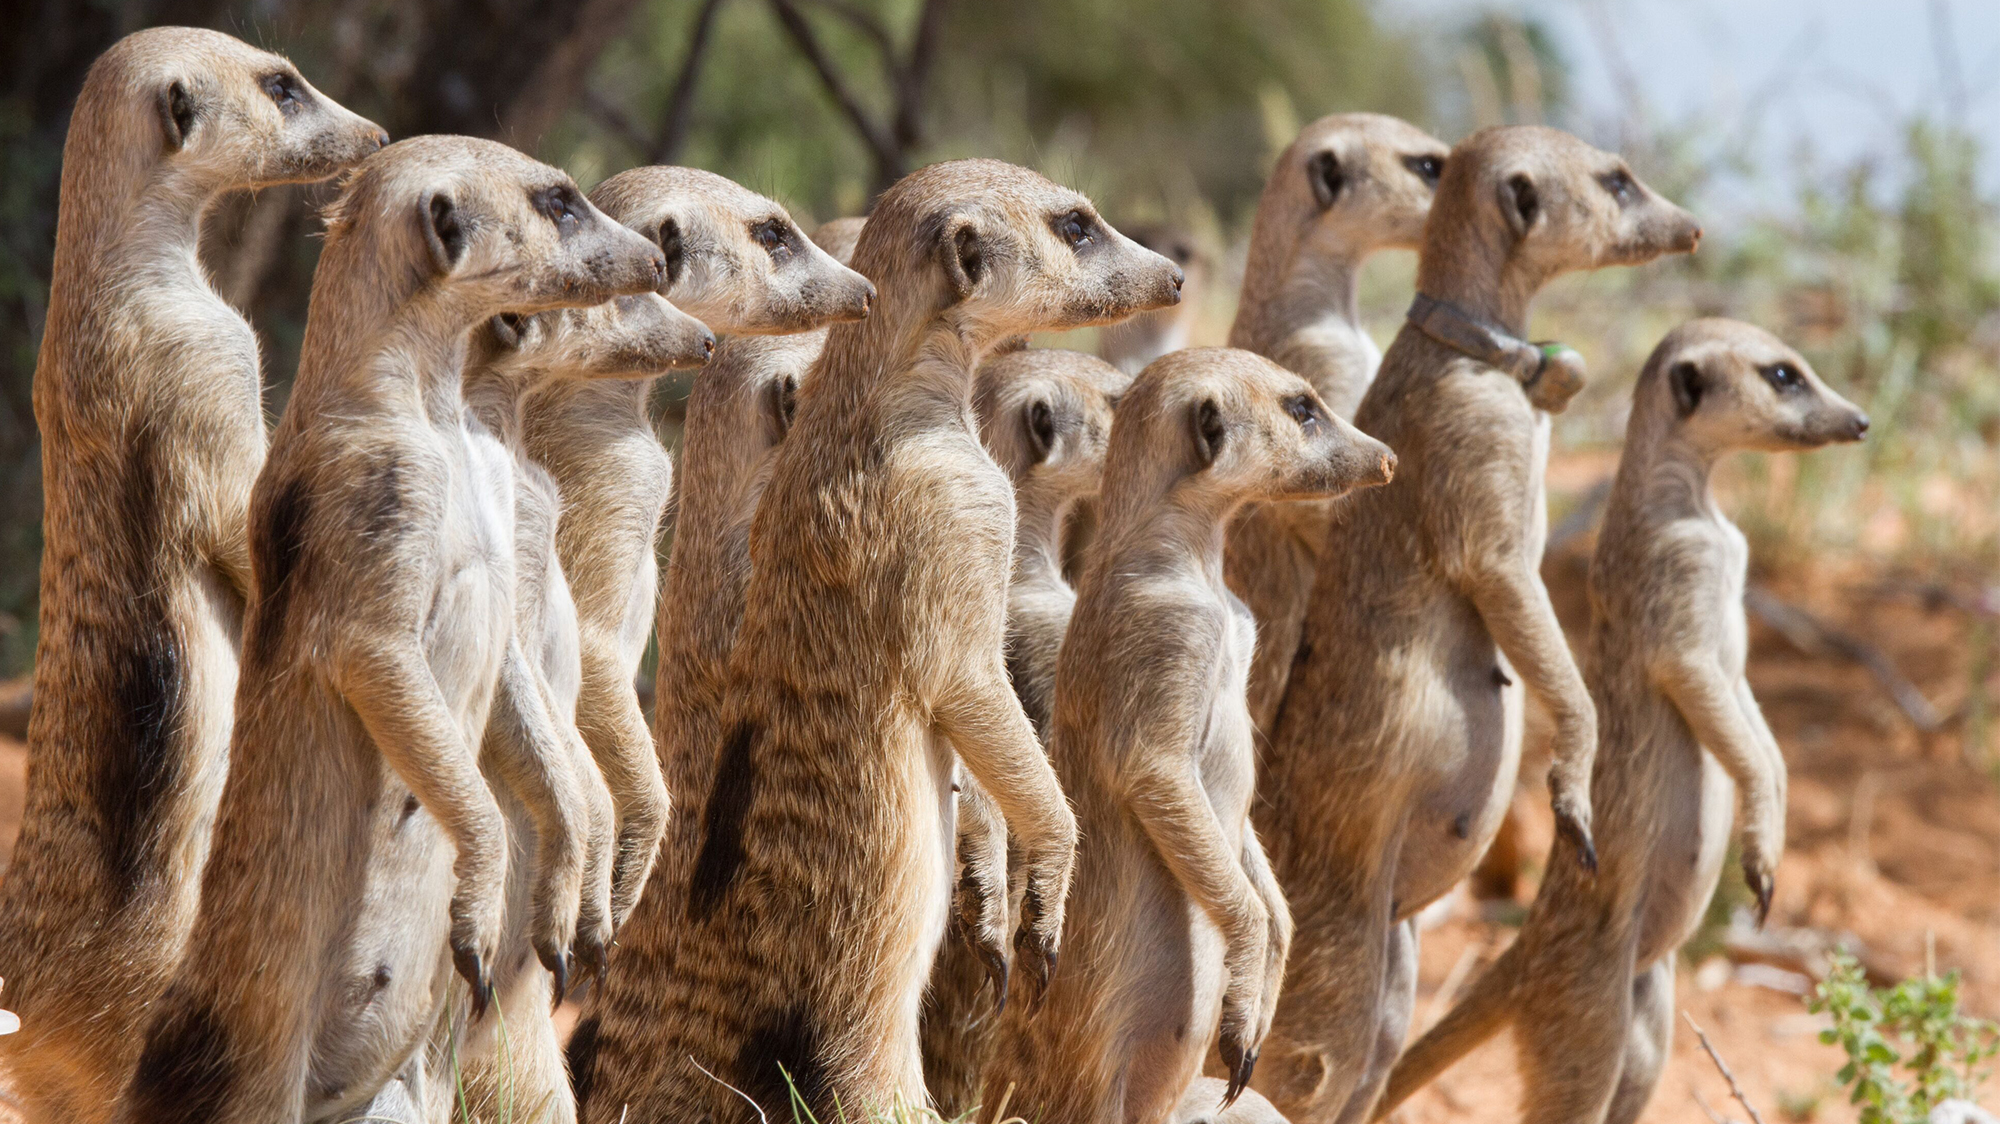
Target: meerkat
[736,262]
[871,648]
[1352,184]
[1177,932]
[1392,756]
[149,399]
[1589,983]
[1045,416]
[561,821]
[359,855]
[1132,344]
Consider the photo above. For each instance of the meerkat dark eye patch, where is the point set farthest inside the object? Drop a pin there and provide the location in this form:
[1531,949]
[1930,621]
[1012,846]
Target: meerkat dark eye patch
[285,91]
[1039,423]
[1076,229]
[562,205]
[1426,168]
[1209,432]
[1327,178]
[176,114]
[1619,183]
[1687,385]
[1784,378]
[775,237]
[1303,410]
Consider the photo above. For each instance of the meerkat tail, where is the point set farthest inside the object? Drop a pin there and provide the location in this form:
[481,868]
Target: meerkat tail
[1464,1029]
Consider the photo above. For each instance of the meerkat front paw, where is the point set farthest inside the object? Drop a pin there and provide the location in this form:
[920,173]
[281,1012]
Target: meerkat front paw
[475,944]
[553,925]
[1244,1018]
[1038,941]
[1572,810]
[644,824]
[1760,873]
[593,925]
[981,904]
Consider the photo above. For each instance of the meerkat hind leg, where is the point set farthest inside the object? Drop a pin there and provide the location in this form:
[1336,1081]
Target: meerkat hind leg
[1649,1042]
[1572,1027]
[1392,1028]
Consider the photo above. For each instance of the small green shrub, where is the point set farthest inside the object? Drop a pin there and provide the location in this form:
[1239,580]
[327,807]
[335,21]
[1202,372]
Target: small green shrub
[1908,1047]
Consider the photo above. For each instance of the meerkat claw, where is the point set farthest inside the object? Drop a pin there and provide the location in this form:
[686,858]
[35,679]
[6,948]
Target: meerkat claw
[1762,885]
[997,969]
[472,968]
[558,966]
[1586,849]
[593,957]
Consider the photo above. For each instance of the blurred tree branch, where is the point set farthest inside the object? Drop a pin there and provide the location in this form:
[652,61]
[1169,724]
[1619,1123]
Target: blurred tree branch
[891,142]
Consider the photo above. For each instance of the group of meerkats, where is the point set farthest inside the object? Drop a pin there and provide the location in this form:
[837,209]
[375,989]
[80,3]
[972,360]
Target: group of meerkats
[977,662]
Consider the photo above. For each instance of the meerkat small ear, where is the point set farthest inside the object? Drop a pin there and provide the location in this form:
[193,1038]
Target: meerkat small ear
[444,233]
[669,240]
[1686,380]
[1521,203]
[1323,171]
[506,328]
[962,253]
[176,114]
[1039,423]
[1209,432]
[781,404]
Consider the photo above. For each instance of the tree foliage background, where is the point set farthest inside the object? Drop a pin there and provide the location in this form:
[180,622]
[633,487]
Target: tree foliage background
[1160,109]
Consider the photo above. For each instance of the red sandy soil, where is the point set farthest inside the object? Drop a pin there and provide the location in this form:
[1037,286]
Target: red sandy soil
[1893,834]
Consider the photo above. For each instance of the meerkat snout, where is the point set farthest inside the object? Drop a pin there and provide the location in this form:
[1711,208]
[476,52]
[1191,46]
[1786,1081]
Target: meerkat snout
[1733,385]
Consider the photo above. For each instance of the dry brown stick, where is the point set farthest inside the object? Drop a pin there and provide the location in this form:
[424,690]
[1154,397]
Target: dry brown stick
[1815,637]
[1714,1117]
[1735,1090]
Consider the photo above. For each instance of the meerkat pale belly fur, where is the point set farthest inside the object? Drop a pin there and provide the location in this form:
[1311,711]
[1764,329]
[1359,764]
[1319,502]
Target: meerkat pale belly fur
[1350,185]
[1588,985]
[737,263]
[359,853]
[560,817]
[1394,751]
[148,397]
[1177,933]
[871,647]
[1045,415]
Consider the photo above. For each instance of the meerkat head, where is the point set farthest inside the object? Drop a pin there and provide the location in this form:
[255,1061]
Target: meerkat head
[632,336]
[1538,202]
[1000,250]
[735,260]
[488,228]
[214,111]
[1234,427]
[1731,385]
[1045,415]
[1353,183]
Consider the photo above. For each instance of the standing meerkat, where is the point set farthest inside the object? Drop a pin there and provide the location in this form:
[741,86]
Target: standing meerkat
[739,409]
[561,821]
[149,399]
[1350,185]
[1589,983]
[736,262]
[1045,416]
[871,648]
[1132,344]
[1177,932]
[1393,755]
[381,543]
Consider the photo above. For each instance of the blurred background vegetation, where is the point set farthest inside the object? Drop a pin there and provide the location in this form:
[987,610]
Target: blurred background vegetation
[1883,270]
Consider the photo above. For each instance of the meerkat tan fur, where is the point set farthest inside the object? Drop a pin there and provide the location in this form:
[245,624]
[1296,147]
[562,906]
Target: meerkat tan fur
[871,648]
[1132,344]
[1589,983]
[1392,757]
[736,262]
[738,411]
[359,854]
[149,400]
[1350,185]
[561,822]
[1177,932]
[1045,416]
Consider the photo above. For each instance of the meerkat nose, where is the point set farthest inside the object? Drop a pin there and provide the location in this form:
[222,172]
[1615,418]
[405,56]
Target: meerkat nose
[381,138]
[1860,426]
[1179,277]
[708,347]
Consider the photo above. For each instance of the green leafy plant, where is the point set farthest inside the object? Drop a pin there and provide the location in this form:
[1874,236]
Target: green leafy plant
[1908,1047]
